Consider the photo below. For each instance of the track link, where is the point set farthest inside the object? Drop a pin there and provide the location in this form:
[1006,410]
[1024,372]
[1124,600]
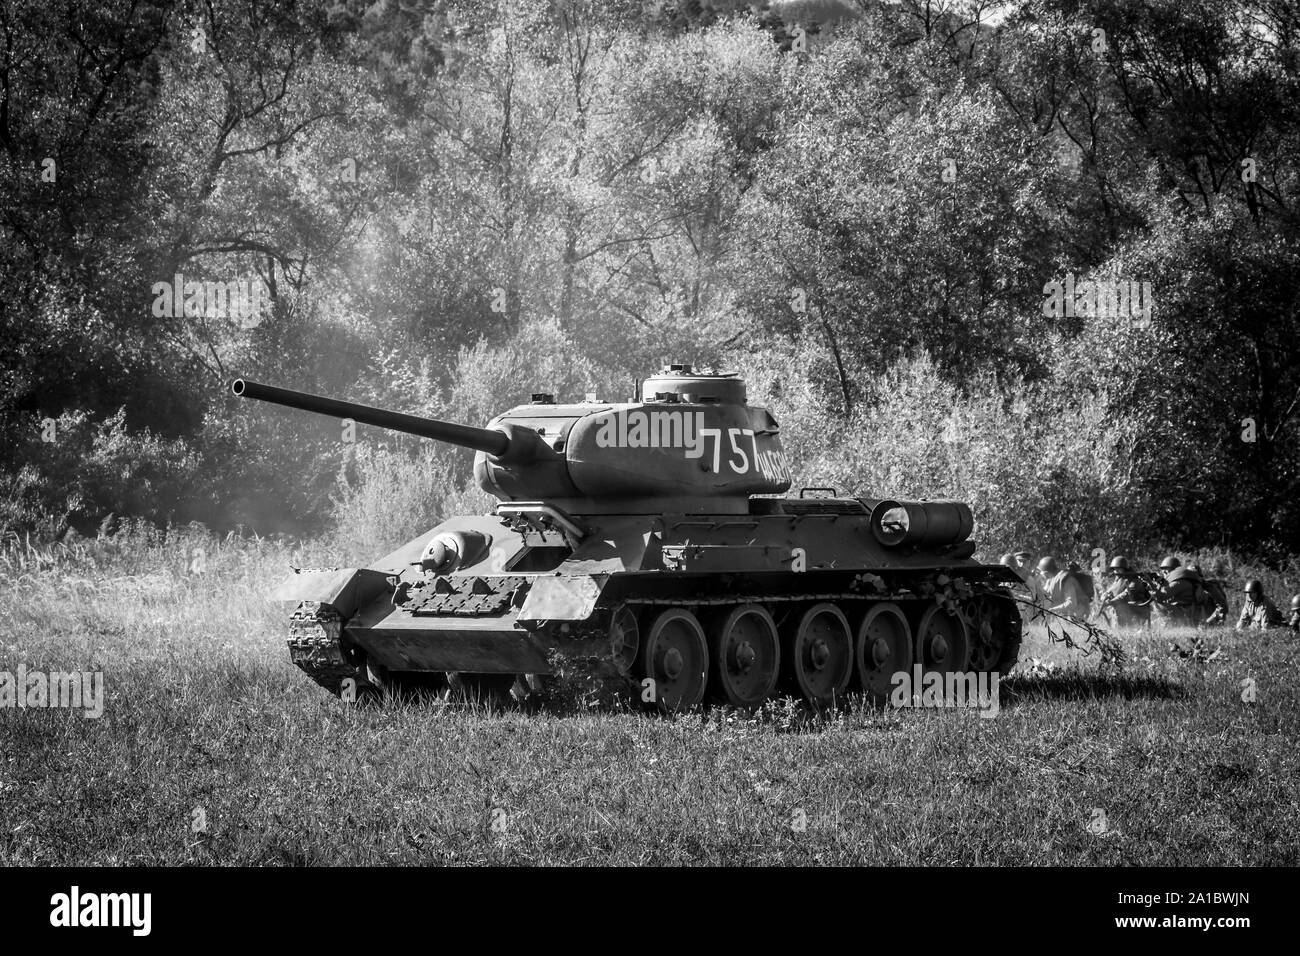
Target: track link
[316,646]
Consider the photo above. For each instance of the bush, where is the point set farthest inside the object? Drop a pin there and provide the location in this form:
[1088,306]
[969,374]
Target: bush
[1039,468]
[389,495]
[540,357]
[87,469]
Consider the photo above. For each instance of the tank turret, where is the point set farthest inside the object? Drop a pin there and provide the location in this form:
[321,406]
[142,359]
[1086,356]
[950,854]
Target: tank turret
[690,443]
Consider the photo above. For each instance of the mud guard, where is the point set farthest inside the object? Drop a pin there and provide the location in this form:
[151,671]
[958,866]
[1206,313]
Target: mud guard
[344,589]
[567,597]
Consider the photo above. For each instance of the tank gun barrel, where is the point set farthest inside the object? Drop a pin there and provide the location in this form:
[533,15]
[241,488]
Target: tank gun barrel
[487,440]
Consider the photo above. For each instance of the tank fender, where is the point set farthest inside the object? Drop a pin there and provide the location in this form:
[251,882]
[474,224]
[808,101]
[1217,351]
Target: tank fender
[618,546]
[344,589]
[563,597]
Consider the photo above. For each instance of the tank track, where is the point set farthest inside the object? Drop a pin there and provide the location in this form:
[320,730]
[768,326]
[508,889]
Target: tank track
[316,646]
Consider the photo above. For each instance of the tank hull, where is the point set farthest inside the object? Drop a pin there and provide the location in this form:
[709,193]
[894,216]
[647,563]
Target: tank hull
[538,594]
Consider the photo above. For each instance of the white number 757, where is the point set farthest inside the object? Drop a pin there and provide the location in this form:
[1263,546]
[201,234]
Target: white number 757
[741,466]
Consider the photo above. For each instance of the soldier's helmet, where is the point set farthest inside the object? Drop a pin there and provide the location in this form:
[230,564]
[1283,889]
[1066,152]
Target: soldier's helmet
[1119,563]
[1295,603]
[1169,563]
[1254,587]
[1009,559]
[1048,565]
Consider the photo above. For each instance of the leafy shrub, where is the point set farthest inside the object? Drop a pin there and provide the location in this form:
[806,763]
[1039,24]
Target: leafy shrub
[387,496]
[91,469]
[1040,468]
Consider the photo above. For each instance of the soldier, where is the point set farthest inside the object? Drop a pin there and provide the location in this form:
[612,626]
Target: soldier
[1025,567]
[1126,598]
[1258,612]
[1159,583]
[1032,585]
[1293,619]
[1027,587]
[1212,597]
[1186,601]
[1065,595]
[1009,561]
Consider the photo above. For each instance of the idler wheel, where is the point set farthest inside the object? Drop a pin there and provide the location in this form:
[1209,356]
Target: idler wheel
[942,642]
[675,656]
[819,655]
[884,647]
[746,656]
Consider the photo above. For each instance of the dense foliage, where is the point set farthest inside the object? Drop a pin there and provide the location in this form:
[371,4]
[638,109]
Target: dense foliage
[443,205]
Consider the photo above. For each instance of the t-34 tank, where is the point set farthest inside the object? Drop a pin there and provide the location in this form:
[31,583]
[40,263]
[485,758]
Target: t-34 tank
[654,532]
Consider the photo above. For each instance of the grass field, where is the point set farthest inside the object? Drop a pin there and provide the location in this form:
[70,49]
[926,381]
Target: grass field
[213,749]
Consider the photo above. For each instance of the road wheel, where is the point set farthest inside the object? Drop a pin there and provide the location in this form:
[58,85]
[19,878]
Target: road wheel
[746,656]
[675,656]
[987,632]
[884,647]
[942,642]
[819,655]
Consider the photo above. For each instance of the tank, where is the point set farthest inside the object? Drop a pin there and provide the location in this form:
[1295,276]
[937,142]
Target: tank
[659,536]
